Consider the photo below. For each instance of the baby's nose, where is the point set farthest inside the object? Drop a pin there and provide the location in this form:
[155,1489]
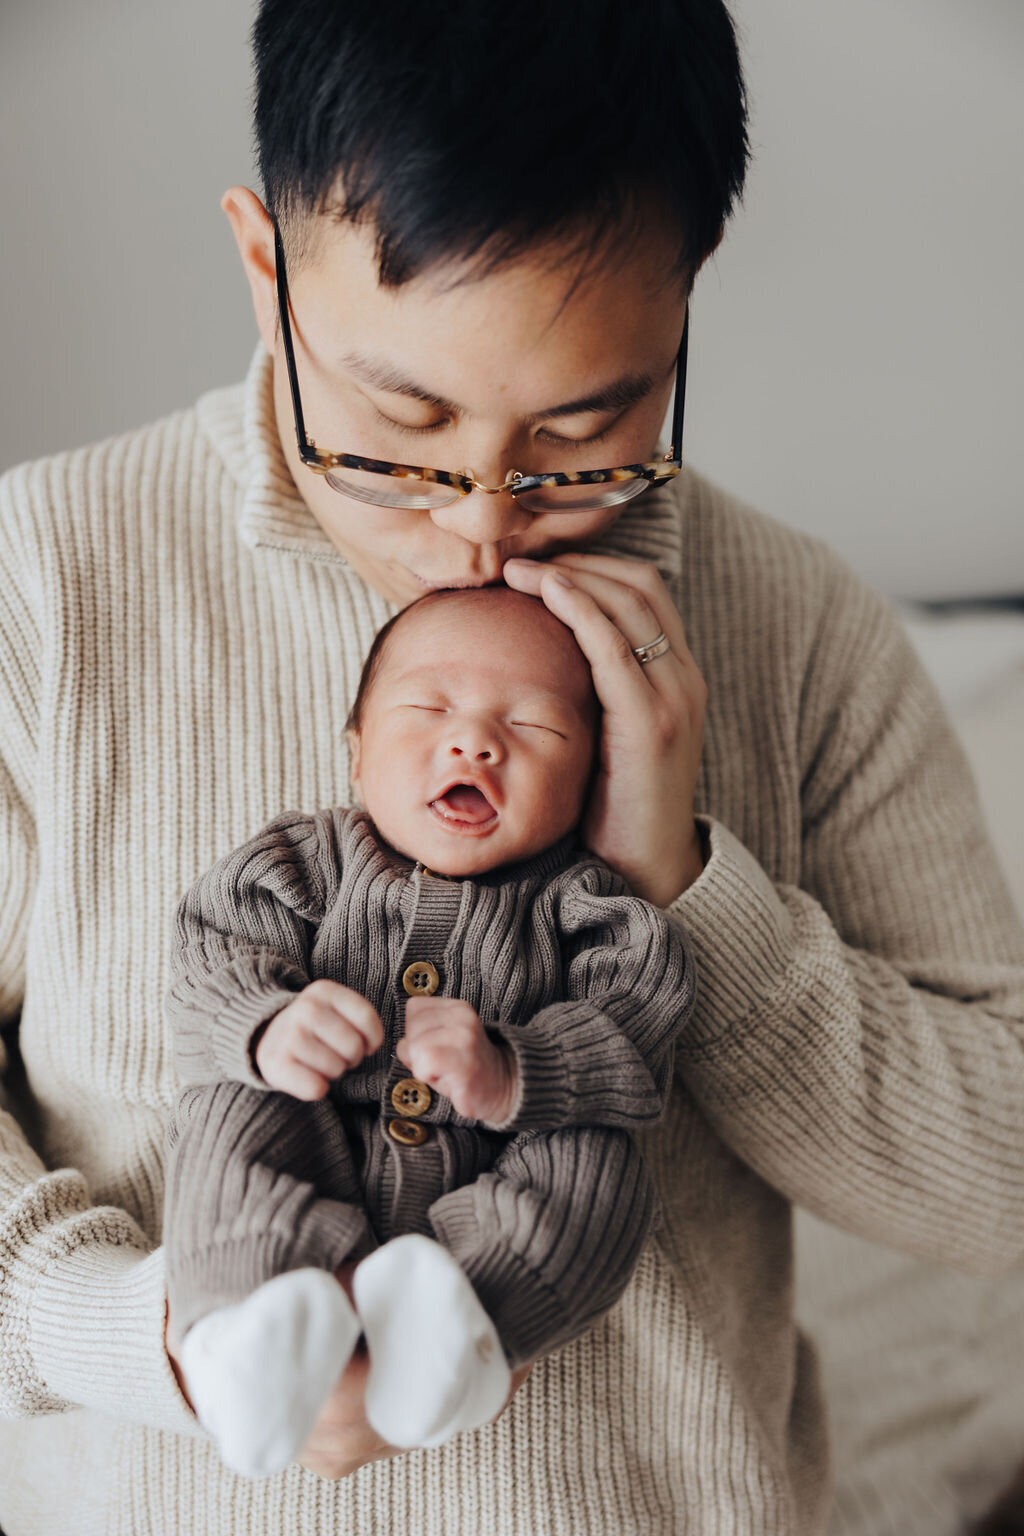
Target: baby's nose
[477,744]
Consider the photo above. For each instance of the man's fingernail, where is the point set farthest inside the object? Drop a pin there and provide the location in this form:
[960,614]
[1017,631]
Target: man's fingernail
[563,581]
[521,560]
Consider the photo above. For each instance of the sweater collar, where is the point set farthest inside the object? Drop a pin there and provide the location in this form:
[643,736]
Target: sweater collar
[274,515]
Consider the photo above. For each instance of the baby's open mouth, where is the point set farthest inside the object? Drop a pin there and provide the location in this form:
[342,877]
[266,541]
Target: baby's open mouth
[464,806]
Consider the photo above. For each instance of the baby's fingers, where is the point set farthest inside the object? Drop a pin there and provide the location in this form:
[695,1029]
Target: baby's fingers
[427,1015]
[349,1006]
[289,1075]
[333,1045]
[437,1060]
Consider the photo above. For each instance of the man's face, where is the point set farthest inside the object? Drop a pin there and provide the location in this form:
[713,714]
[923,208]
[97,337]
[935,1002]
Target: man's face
[472,376]
[478,733]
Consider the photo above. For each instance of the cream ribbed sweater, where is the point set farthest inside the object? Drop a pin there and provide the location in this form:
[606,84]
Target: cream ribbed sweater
[178,647]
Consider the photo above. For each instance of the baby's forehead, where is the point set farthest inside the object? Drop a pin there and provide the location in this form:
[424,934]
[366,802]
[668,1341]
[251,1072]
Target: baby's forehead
[490,633]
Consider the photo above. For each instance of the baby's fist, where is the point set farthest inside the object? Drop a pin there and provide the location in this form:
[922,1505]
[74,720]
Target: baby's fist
[447,1047]
[324,1033]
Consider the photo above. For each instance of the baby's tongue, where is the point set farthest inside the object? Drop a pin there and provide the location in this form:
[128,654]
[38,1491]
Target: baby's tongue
[467,803]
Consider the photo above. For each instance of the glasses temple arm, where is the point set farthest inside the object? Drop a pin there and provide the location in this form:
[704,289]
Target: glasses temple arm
[680,394]
[289,351]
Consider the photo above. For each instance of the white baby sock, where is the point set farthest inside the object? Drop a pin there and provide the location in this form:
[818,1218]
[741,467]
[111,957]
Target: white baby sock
[436,1362]
[259,1372]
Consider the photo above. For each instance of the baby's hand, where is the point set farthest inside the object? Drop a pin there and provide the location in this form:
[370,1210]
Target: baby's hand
[325,1032]
[445,1045]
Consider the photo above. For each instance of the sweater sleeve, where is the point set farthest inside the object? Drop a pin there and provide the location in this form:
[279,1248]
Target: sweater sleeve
[242,944]
[81,1295]
[859,1039]
[603,1054]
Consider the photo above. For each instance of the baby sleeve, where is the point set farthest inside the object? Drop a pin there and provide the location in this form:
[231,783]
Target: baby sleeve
[602,1055]
[242,943]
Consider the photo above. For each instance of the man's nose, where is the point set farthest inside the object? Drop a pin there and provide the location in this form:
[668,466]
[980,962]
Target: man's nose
[481,518]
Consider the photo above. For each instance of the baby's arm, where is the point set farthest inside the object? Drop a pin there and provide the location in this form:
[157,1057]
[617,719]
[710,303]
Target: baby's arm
[447,1046]
[603,1055]
[242,943]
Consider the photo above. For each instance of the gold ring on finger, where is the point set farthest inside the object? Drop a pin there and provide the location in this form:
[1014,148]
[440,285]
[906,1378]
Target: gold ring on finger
[657,647]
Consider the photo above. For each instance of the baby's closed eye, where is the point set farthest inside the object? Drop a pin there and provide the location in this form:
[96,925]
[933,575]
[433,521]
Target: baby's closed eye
[537,725]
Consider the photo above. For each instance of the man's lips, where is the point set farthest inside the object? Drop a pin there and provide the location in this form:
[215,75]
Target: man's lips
[456,586]
[465,808]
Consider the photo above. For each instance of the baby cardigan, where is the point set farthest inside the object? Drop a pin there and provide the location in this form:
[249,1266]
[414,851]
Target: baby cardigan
[588,985]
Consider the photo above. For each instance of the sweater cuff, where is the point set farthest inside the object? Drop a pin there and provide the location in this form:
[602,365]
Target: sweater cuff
[740,932]
[233,1030]
[96,1328]
[542,1102]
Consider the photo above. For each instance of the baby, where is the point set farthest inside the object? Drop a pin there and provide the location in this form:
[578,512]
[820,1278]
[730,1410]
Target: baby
[416,1036]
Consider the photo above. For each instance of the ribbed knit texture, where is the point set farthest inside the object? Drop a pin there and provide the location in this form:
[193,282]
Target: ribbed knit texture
[589,987]
[179,644]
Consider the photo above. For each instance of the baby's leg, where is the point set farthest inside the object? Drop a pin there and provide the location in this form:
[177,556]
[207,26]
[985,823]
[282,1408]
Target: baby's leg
[550,1236]
[260,1209]
[535,1251]
[436,1362]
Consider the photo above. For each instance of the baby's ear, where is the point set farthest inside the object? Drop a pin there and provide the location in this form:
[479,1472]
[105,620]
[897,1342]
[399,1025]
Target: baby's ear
[354,758]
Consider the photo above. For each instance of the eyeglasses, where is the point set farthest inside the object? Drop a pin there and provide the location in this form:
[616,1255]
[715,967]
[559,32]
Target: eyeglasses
[379,483]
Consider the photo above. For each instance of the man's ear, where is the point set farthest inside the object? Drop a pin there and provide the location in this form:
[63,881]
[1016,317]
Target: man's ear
[708,254]
[253,230]
[354,759]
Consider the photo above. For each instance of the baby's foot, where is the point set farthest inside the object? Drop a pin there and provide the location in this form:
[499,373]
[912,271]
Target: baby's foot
[436,1362]
[259,1372]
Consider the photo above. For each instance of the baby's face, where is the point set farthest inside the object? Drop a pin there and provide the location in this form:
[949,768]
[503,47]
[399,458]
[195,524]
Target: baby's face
[477,734]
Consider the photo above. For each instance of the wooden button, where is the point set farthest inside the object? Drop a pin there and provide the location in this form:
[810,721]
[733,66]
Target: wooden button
[410,1133]
[411,1097]
[420,979]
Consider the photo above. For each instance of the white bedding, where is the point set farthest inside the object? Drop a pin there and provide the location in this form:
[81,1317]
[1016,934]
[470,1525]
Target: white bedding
[924,1368]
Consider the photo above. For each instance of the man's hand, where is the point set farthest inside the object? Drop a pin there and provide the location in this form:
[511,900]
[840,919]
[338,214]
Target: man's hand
[640,819]
[342,1441]
[446,1046]
[172,1345]
[326,1031]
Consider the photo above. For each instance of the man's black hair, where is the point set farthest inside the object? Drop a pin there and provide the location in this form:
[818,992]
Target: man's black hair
[483,129]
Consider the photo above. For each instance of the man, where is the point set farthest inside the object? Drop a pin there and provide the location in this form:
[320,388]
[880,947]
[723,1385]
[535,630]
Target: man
[471,269]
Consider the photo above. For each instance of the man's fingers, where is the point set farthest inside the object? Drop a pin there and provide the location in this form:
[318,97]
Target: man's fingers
[342,1441]
[618,679]
[632,594]
[634,600]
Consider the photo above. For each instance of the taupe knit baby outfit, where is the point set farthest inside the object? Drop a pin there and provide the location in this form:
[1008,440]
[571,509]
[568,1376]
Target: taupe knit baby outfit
[547,1213]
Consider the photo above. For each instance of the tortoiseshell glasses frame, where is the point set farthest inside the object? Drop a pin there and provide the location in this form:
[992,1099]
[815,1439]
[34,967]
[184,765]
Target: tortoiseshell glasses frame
[549,492]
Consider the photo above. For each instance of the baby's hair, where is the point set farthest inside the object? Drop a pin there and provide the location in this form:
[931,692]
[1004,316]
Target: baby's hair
[371,666]
[375,655]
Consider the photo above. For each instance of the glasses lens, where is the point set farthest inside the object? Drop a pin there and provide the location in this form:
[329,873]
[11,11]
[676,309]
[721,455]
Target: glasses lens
[580,498]
[390,490]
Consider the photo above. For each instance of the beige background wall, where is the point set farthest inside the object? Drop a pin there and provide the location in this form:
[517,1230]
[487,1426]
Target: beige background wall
[857,343]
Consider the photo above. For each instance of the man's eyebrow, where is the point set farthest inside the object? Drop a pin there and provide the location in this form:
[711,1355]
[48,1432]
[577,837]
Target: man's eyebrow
[380,374]
[386,376]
